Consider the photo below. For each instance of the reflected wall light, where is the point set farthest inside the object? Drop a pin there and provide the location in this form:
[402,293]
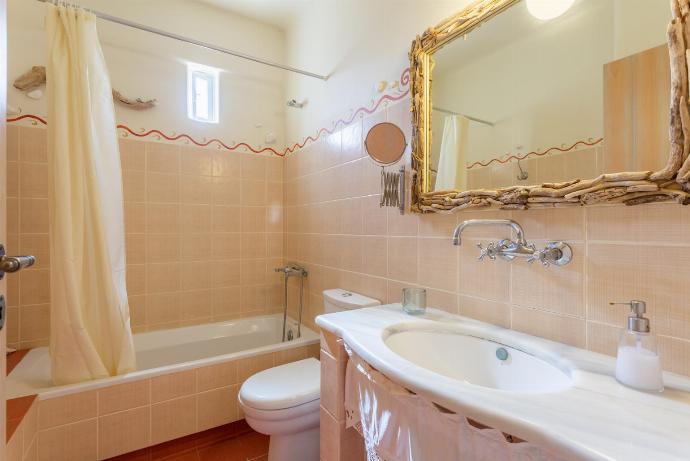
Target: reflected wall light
[548,9]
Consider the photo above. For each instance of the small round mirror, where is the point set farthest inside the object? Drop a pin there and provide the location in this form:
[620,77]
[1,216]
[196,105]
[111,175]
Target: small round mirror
[385,143]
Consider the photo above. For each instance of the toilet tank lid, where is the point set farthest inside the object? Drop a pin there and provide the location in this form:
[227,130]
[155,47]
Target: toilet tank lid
[348,300]
[284,386]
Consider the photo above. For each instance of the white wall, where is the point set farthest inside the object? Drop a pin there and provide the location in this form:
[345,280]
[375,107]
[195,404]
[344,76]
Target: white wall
[148,66]
[541,87]
[541,83]
[359,42]
[638,25]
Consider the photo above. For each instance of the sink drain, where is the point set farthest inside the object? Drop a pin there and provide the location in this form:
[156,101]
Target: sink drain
[502,354]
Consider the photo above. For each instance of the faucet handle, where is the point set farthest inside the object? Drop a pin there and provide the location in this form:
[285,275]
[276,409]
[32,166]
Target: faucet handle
[489,251]
[541,256]
[556,253]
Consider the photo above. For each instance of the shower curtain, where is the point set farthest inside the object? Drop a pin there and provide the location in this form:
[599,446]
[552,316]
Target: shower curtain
[90,333]
[452,173]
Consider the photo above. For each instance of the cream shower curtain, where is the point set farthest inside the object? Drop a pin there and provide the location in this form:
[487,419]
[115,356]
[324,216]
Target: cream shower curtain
[452,173]
[90,332]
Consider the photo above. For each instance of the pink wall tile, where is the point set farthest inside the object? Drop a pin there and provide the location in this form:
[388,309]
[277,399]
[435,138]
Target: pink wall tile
[325,216]
[181,204]
[320,207]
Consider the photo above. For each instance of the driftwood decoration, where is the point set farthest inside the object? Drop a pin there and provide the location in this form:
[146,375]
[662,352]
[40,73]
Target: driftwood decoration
[136,104]
[36,77]
[672,183]
[31,79]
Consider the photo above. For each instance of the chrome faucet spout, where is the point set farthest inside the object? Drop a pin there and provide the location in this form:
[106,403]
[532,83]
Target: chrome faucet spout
[520,234]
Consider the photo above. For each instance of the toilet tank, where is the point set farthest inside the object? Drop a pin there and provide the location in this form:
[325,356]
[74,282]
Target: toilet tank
[337,300]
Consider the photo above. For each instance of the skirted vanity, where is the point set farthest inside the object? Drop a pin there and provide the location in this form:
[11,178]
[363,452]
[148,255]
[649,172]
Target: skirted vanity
[446,387]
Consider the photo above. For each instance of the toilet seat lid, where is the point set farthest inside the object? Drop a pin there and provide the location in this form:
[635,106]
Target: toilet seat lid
[284,386]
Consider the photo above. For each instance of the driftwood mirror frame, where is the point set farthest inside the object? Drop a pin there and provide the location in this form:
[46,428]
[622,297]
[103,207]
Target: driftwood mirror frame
[631,188]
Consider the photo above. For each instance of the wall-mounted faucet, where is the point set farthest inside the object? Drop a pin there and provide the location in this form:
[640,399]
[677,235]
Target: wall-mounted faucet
[489,222]
[557,253]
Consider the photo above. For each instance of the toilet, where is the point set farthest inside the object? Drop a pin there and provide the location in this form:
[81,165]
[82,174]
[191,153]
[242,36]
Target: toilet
[283,402]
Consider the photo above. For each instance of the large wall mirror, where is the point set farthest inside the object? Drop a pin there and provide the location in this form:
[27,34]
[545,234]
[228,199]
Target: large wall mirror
[545,103]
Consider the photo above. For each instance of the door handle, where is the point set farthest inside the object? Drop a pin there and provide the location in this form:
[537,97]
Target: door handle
[13,263]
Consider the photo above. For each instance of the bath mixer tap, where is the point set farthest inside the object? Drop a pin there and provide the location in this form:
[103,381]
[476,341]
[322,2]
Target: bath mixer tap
[557,253]
[292,269]
[299,271]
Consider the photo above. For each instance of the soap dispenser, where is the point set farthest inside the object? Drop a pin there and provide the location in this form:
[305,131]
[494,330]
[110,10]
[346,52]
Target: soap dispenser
[638,364]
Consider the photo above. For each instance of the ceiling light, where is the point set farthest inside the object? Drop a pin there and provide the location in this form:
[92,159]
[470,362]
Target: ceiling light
[548,9]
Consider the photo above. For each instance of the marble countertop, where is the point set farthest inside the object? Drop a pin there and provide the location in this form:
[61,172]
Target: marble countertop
[595,419]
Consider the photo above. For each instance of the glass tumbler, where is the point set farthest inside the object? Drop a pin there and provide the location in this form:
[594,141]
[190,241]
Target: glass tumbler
[414,301]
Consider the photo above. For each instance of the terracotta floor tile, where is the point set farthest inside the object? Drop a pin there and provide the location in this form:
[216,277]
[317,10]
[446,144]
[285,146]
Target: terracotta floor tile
[192,456]
[231,442]
[139,455]
[173,447]
[238,427]
[219,434]
[229,450]
[12,425]
[254,444]
[15,411]
[13,359]
[17,408]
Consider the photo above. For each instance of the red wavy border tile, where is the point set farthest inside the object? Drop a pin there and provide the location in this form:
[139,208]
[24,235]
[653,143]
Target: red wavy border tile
[404,80]
[536,154]
[29,116]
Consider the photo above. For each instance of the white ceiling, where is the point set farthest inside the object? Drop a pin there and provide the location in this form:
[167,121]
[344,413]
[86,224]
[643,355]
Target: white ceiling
[279,13]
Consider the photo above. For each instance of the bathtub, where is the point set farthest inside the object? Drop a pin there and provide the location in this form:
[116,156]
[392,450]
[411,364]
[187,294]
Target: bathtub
[169,351]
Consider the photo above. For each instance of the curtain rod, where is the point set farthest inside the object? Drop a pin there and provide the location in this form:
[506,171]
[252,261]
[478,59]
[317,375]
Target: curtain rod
[237,54]
[474,119]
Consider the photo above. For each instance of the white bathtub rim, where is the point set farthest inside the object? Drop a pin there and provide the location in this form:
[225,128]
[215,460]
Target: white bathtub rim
[142,338]
[308,337]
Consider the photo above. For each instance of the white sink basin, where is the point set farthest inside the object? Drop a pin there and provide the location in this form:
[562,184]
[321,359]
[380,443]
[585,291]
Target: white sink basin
[477,361]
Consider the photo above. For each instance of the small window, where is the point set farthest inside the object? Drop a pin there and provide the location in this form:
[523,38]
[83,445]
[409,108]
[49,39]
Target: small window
[202,93]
